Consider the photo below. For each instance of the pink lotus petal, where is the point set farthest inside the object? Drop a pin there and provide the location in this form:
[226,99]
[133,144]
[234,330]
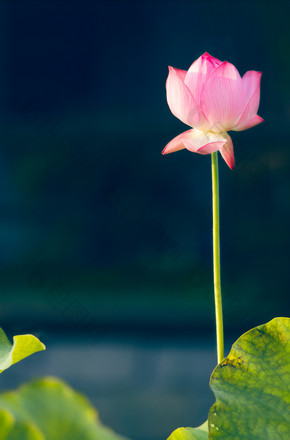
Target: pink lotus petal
[209,148]
[199,72]
[251,82]
[197,141]
[204,61]
[177,143]
[215,61]
[180,100]
[249,123]
[203,142]
[227,152]
[222,98]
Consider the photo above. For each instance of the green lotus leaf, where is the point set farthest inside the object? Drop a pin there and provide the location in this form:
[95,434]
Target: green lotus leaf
[200,433]
[252,386]
[11,429]
[23,346]
[54,411]
[23,431]
[6,423]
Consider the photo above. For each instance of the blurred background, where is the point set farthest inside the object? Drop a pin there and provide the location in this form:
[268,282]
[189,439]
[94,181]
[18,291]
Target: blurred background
[105,245]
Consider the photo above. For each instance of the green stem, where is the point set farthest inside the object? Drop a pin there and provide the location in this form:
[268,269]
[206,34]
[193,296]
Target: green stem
[216,257]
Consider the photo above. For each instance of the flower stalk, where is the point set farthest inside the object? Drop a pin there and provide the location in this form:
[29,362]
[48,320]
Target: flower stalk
[216,258]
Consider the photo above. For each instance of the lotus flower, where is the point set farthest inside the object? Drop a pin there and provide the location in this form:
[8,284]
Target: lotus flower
[212,98]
